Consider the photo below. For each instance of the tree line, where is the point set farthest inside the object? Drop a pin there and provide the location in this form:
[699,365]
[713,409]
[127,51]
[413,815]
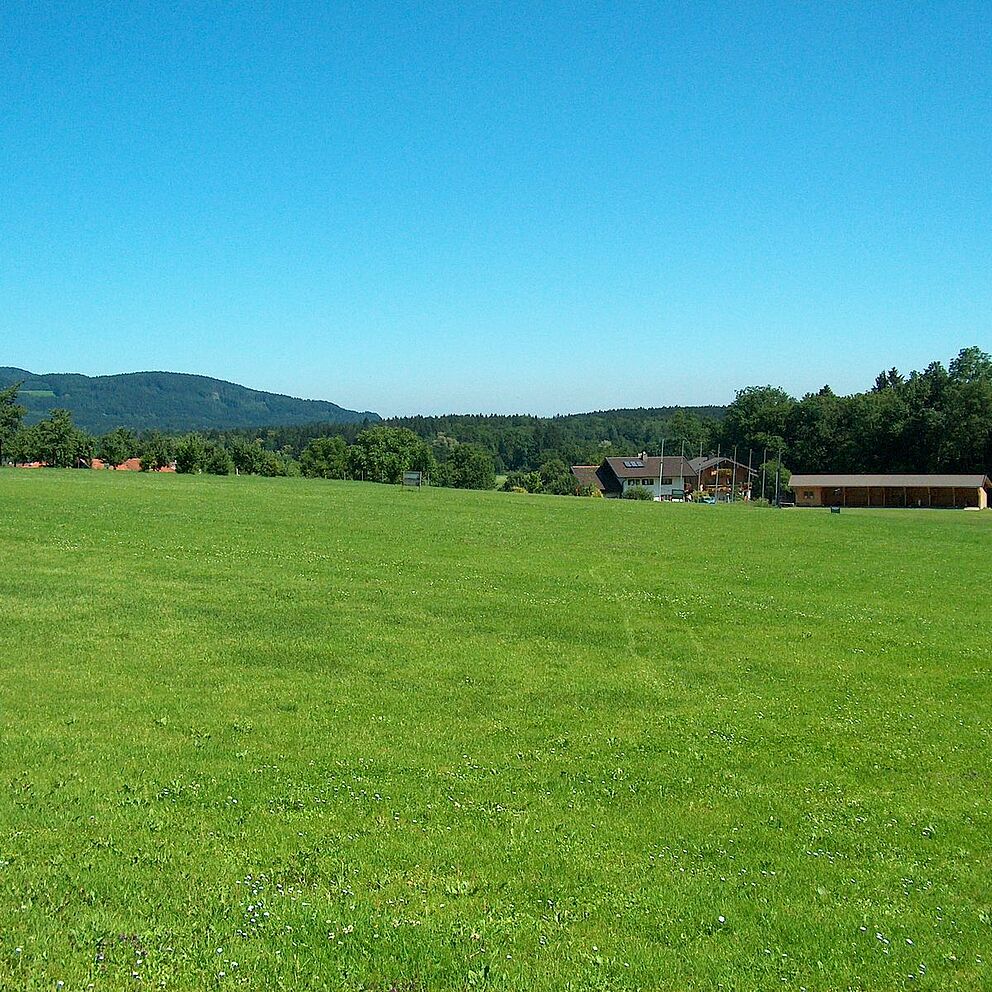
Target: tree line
[935,420]
[376,454]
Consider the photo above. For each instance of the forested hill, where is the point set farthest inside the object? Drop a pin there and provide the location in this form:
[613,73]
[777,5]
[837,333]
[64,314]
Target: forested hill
[166,401]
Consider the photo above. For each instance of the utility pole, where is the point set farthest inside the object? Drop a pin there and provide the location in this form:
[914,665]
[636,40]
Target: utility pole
[733,484]
[716,476]
[778,479]
[764,472]
[749,454]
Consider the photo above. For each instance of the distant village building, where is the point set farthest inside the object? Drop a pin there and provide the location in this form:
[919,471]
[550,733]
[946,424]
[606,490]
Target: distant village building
[131,465]
[966,491]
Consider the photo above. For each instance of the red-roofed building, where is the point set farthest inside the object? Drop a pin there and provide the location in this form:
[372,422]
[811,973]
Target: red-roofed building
[131,465]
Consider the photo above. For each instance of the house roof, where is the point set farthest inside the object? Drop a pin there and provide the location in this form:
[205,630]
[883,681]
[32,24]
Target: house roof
[131,465]
[649,467]
[702,464]
[964,481]
[588,475]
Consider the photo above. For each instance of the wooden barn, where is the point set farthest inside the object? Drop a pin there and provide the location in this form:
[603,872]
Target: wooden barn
[923,491]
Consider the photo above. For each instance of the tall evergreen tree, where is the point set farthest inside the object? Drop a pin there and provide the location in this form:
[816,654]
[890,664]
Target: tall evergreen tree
[11,416]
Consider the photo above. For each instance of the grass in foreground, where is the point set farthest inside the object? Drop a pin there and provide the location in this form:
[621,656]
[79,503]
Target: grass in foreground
[279,734]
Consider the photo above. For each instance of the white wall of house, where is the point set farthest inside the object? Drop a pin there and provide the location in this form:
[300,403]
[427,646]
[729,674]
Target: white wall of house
[657,487]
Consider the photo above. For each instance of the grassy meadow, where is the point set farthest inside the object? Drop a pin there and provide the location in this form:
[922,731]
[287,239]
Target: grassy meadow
[280,734]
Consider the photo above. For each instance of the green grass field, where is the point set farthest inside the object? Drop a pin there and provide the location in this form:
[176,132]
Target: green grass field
[279,734]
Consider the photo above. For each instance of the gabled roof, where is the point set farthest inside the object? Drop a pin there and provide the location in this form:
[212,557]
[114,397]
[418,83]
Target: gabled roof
[590,475]
[702,464]
[963,481]
[649,467]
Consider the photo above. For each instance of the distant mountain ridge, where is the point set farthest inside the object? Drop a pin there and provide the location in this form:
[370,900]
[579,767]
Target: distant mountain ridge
[167,401]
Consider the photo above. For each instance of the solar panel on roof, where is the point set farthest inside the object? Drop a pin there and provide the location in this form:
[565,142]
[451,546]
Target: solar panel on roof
[634,463]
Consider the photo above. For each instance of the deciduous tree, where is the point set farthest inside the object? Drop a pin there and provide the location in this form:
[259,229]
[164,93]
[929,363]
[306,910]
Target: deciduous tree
[325,458]
[117,447]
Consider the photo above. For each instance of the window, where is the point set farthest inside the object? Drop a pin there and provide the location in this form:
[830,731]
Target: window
[666,482]
[807,494]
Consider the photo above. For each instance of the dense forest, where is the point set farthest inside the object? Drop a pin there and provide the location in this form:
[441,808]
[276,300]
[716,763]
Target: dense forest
[521,442]
[935,420]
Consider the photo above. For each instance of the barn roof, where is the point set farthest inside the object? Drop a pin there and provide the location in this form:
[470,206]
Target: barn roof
[964,481]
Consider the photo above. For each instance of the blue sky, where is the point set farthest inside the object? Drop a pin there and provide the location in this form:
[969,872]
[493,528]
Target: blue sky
[532,207]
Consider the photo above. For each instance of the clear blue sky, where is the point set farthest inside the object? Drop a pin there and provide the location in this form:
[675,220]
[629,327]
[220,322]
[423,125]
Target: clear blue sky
[502,206]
